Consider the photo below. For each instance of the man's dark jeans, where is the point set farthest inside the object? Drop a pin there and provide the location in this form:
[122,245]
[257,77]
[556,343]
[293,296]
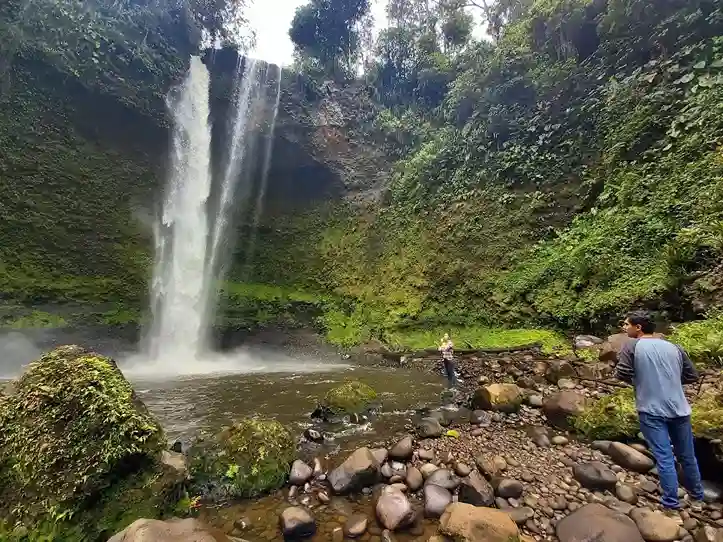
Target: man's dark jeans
[660,432]
[451,374]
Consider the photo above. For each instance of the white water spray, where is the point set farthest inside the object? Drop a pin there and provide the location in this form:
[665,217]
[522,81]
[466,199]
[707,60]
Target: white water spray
[192,235]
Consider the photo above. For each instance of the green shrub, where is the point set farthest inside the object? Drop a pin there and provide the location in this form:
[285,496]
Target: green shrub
[703,340]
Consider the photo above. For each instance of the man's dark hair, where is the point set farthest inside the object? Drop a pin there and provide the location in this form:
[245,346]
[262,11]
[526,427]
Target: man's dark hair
[642,319]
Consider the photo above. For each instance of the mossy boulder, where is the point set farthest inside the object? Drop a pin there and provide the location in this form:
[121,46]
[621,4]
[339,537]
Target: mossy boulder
[351,399]
[79,449]
[707,415]
[248,459]
[611,417]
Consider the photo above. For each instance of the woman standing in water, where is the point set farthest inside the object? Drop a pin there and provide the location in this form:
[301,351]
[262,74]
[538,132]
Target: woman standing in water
[446,347]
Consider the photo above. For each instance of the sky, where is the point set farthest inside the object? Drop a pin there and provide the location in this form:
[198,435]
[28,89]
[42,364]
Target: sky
[272,18]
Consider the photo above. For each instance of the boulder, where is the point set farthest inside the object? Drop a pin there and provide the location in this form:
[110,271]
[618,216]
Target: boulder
[245,460]
[356,526]
[297,522]
[611,417]
[300,473]
[521,515]
[350,400]
[359,470]
[630,458]
[708,534]
[79,439]
[429,428]
[595,475]
[414,479]
[466,523]
[380,454]
[610,349]
[655,526]
[498,397]
[477,491]
[428,469]
[436,500]
[558,370]
[597,523]
[403,449]
[507,488]
[443,478]
[394,510]
[563,405]
[172,530]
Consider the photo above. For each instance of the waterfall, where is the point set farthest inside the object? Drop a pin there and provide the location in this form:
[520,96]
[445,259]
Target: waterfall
[192,241]
[178,288]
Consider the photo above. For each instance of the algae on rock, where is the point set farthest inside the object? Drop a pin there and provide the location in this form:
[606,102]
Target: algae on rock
[245,460]
[350,399]
[76,445]
[611,417]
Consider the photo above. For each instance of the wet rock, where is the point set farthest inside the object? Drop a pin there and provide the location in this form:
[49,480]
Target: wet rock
[403,449]
[507,488]
[477,491]
[297,522]
[480,417]
[323,497]
[655,526]
[521,515]
[595,522]
[566,384]
[630,458]
[172,530]
[595,475]
[708,534]
[712,492]
[498,397]
[602,445]
[176,462]
[560,406]
[462,469]
[313,435]
[300,473]
[426,455]
[380,454]
[360,469]
[429,428]
[394,510]
[387,471]
[414,478]
[443,478]
[356,526]
[337,534]
[626,494]
[466,523]
[558,370]
[539,436]
[436,500]
[387,536]
[612,346]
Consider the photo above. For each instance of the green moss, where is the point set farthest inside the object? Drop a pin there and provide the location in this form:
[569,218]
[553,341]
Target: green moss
[35,319]
[246,460]
[70,429]
[350,398]
[707,417]
[703,340]
[478,337]
[611,417]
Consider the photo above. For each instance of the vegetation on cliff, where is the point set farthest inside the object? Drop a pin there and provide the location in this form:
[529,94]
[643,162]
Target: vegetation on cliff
[561,173]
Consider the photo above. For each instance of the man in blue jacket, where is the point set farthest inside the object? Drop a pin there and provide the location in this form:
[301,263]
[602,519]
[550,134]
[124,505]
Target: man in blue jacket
[657,369]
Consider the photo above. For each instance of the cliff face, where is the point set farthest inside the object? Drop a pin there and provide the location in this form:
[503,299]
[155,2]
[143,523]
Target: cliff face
[82,174]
